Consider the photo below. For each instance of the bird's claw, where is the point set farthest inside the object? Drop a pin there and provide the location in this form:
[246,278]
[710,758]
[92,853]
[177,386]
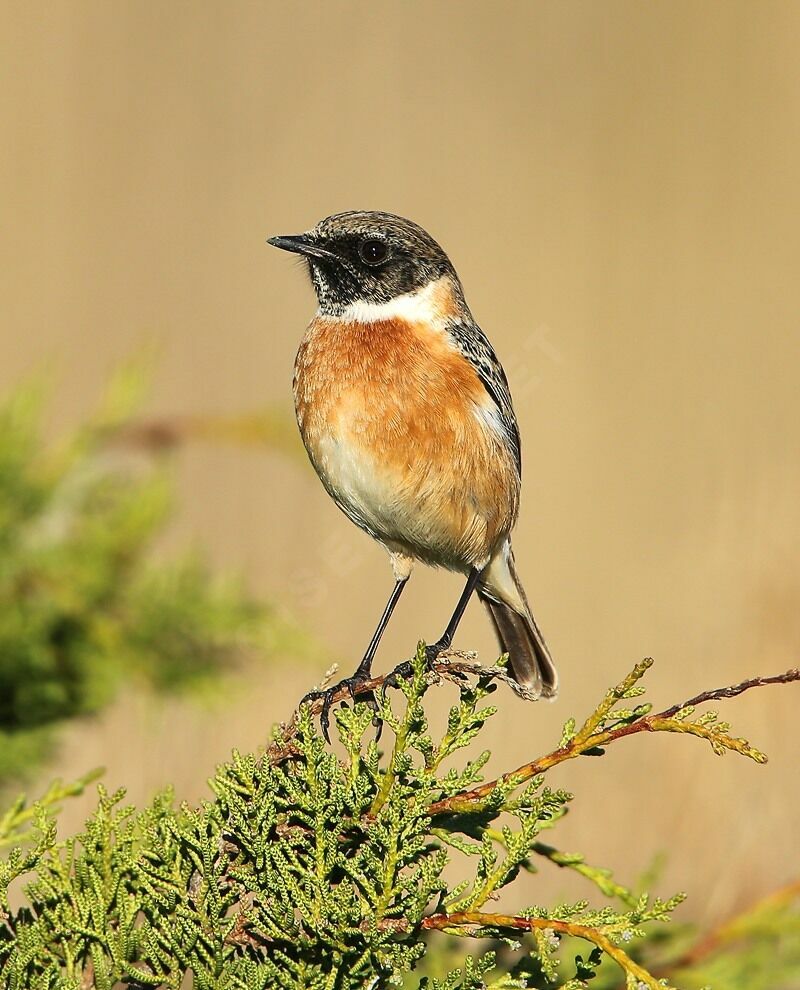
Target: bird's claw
[405,671]
[354,685]
[402,672]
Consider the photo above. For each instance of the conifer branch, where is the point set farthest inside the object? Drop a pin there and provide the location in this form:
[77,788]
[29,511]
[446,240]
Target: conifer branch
[482,923]
[793,674]
[325,871]
[17,824]
[453,665]
[594,735]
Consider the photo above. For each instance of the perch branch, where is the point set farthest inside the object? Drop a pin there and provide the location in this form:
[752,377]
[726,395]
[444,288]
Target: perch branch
[453,665]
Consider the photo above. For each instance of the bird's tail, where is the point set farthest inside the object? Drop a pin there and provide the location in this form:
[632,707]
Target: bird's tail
[502,593]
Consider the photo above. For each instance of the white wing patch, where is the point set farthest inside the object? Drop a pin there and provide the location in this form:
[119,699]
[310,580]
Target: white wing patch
[489,415]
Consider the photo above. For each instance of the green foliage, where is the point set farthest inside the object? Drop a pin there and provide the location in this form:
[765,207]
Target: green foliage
[311,870]
[80,604]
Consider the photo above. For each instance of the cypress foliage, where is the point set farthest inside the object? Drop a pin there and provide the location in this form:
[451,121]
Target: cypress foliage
[307,869]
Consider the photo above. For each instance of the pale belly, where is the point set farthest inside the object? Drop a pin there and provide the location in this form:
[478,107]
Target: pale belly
[437,511]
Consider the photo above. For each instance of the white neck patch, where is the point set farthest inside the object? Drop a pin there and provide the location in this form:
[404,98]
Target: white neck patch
[423,305]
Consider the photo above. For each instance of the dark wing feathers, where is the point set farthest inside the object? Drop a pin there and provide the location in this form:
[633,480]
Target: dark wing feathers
[474,345]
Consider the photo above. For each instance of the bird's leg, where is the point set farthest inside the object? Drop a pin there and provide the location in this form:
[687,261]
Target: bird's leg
[446,639]
[364,670]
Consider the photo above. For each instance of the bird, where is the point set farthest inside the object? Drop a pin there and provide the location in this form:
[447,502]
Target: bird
[406,414]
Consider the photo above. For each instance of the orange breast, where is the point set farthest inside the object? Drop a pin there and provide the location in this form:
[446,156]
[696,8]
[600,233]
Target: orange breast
[397,403]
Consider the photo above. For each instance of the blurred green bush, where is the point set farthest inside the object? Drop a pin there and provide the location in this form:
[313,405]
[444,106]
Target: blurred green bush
[84,601]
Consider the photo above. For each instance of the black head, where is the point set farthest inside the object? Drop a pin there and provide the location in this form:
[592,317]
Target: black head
[370,257]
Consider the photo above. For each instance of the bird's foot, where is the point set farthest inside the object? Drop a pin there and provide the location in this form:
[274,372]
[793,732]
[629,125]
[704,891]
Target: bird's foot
[404,671]
[354,686]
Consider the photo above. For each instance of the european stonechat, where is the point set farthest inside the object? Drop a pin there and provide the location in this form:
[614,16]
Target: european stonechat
[407,417]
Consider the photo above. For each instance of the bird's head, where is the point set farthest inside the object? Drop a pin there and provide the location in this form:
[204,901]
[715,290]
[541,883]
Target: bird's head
[363,262]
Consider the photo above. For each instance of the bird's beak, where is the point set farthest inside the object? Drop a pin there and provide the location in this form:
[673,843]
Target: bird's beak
[301,244]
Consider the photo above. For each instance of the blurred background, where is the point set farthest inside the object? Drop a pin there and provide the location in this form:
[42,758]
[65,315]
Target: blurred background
[617,186]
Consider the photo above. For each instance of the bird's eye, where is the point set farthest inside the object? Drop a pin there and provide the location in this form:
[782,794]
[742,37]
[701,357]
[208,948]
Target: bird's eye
[373,252]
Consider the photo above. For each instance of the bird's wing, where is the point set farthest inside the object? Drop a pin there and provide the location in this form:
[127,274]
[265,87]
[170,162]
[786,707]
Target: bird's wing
[473,343]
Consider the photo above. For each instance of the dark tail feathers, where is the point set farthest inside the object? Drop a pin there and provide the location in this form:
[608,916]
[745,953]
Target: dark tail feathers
[519,636]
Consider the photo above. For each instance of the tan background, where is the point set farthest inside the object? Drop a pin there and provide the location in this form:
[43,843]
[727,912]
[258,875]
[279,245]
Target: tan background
[617,184]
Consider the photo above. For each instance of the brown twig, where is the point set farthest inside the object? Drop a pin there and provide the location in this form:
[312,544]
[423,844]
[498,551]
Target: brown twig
[472,800]
[734,690]
[454,665]
[479,919]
